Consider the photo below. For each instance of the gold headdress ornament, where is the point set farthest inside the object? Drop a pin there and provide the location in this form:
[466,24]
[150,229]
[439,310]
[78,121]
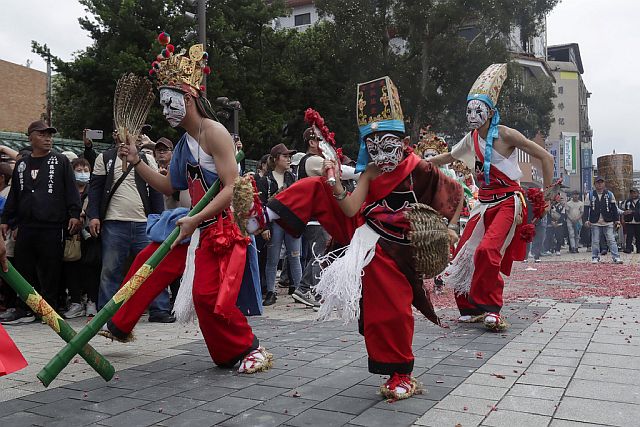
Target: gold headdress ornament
[488,85]
[180,71]
[430,141]
[461,168]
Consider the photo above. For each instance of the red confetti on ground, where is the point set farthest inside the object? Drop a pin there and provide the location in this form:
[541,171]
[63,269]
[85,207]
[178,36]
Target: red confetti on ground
[502,377]
[560,281]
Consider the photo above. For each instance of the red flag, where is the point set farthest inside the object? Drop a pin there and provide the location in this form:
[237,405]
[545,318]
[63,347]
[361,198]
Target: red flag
[11,359]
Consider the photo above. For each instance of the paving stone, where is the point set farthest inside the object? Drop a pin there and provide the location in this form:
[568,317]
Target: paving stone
[260,392]
[470,405]
[230,405]
[15,405]
[24,419]
[347,405]
[286,405]
[502,418]
[611,360]
[154,393]
[286,381]
[566,423]
[135,417]
[195,418]
[564,371]
[207,393]
[410,406]
[456,371]
[434,393]
[77,418]
[375,417]
[101,394]
[493,379]
[317,417]
[559,361]
[601,373]
[536,392]
[90,384]
[468,361]
[312,392]
[52,395]
[56,409]
[430,379]
[310,371]
[362,391]
[598,390]
[527,404]
[173,405]
[442,418]
[236,381]
[473,390]
[341,378]
[626,350]
[116,406]
[547,380]
[597,411]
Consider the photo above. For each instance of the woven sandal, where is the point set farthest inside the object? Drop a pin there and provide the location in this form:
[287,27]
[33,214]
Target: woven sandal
[399,386]
[471,319]
[258,360]
[107,334]
[495,322]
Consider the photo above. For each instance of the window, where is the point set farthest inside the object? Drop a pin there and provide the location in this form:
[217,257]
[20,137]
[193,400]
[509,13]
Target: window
[561,121]
[560,89]
[302,19]
[561,106]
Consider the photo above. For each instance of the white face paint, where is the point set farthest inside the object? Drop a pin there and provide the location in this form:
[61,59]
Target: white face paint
[385,149]
[429,153]
[477,113]
[173,108]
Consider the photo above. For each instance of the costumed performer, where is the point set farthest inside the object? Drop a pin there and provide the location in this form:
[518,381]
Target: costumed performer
[215,256]
[493,237]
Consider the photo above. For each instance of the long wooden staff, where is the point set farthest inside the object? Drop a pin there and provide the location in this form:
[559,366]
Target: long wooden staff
[64,356]
[38,304]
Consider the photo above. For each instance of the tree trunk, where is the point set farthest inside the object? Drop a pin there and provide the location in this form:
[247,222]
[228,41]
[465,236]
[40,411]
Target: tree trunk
[420,115]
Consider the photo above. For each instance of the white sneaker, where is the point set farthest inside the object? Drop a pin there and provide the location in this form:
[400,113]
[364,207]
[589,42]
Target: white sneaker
[91,309]
[595,260]
[75,310]
[256,361]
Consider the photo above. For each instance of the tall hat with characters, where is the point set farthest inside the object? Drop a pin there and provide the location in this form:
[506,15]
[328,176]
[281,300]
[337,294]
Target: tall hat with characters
[487,89]
[378,107]
[180,71]
[430,141]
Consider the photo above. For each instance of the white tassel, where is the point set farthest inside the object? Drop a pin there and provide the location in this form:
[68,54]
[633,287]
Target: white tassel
[183,307]
[340,284]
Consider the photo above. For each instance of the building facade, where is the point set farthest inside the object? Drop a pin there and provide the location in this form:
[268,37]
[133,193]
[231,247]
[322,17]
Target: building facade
[23,96]
[303,15]
[571,135]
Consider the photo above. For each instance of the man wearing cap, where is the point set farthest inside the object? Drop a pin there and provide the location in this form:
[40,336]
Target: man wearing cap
[492,238]
[631,218]
[601,214]
[45,205]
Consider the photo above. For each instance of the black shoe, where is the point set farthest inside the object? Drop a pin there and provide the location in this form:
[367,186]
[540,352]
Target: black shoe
[291,290]
[270,299]
[627,251]
[162,318]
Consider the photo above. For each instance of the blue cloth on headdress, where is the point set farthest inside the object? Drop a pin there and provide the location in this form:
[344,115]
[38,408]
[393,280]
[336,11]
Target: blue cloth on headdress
[492,133]
[363,154]
[160,226]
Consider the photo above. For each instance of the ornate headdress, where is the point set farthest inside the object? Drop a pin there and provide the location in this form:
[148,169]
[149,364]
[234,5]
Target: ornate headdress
[461,168]
[378,107]
[487,89]
[430,141]
[180,71]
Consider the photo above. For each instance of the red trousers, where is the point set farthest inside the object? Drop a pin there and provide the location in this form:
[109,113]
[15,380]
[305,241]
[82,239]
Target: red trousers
[386,294]
[487,284]
[218,275]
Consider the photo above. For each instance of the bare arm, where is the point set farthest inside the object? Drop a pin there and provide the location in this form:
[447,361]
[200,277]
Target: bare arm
[442,159]
[515,139]
[161,183]
[9,152]
[352,203]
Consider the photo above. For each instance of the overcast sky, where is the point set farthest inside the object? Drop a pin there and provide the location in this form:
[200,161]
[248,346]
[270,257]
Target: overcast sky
[606,31]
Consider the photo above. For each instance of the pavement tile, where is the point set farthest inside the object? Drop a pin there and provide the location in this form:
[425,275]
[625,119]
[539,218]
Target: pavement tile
[564,371]
[173,405]
[599,390]
[527,404]
[559,361]
[15,405]
[493,379]
[536,392]
[456,371]
[135,417]
[154,393]
[625,349]
[260,392]
[566,423]
[286,405]
[375,417]
[195,418]
[467,405]
[77,418]
[116,405]
[410,406]
[363,391]
[547,379]
[207,393]
[340,379]
[430,379]
[229,405]
[597,411]
[502,418]
[442,418]
[101,394]
[474,390]
[286,381]
[604,374]
[310,392]
[52,395]
[611,360]
[25,419]
[317,417]
[345,404]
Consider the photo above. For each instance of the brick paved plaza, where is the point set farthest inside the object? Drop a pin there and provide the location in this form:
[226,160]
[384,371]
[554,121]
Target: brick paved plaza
[562,363]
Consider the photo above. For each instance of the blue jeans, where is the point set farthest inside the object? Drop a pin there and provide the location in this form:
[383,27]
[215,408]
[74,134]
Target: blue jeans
[292,245]
[119,240]
[609,236]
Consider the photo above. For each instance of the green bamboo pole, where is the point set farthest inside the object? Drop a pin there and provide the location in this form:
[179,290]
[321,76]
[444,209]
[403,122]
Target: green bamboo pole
[40,306]
[64,356]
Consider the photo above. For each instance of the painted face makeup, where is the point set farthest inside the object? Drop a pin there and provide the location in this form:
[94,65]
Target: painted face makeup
[385,149]
[173,108]
[429,153]
[477,113]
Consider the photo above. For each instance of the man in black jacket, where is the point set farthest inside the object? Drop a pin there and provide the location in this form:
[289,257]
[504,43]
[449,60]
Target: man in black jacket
[44,204]
[119,203]
[631,216]
[601,214]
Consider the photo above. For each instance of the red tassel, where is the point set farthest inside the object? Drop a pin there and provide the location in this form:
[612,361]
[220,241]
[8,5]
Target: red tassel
[152,72]
[164,38]
[171,48]
[160,58]
[165,53]
[206,69]
[202,88]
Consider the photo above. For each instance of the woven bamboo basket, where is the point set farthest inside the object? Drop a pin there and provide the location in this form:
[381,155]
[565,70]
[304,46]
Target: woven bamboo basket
[429,239]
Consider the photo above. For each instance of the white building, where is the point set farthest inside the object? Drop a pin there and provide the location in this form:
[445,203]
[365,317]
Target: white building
[303,14]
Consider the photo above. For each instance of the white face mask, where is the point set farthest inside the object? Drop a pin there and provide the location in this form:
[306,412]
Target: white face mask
[385,149]
[173,108]
[477,113]
[82,177]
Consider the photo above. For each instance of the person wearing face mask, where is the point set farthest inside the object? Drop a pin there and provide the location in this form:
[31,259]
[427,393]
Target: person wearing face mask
[80,277]
[492,238]
[371,223]
[210,253]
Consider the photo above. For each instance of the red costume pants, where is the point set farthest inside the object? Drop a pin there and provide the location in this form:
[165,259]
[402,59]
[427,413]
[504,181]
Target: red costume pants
[387,295]
[218,275]
[487,284]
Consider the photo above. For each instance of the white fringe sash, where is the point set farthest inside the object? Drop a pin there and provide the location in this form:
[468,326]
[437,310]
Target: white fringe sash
[183,307]
[340,284]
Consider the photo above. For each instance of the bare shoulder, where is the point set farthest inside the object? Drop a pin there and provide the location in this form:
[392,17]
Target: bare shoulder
[510,136]
[216,138]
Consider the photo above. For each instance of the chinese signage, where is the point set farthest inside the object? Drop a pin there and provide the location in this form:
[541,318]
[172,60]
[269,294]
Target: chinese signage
[570,152]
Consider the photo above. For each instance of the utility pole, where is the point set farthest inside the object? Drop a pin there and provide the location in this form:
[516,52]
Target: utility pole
[48,59]
[202,32]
